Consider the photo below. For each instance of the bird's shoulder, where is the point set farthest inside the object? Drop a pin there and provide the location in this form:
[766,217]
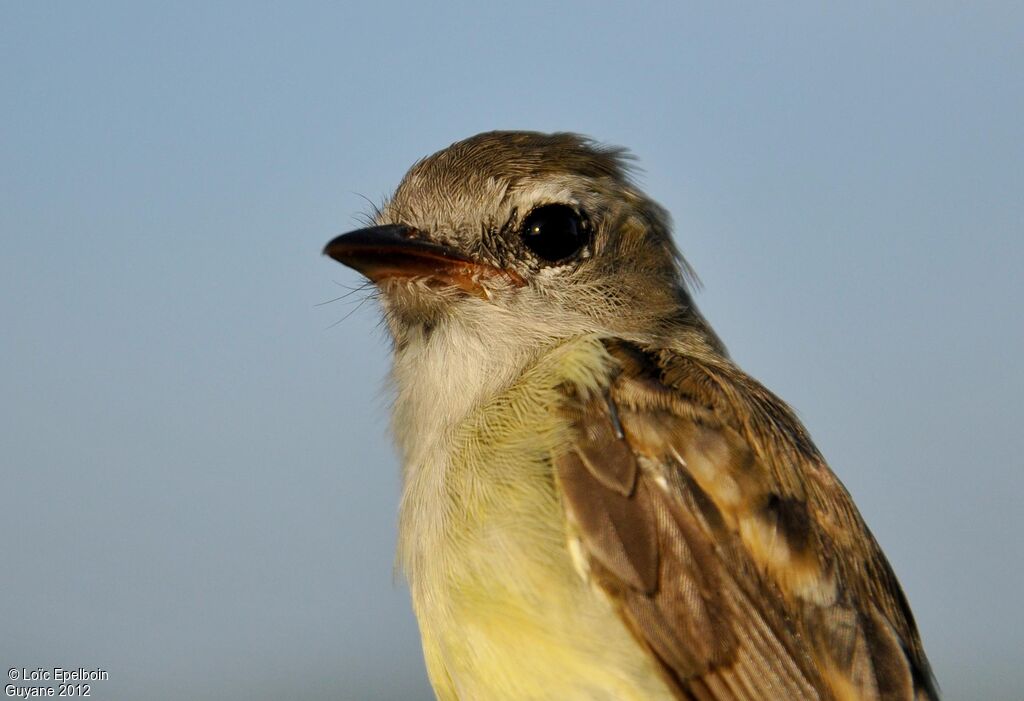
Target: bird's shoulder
[703,508]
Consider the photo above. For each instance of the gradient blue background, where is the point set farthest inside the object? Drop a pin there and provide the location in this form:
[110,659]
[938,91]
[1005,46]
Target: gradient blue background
[199,489]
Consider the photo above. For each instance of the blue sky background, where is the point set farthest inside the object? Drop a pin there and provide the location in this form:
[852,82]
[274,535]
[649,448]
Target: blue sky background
[200,489]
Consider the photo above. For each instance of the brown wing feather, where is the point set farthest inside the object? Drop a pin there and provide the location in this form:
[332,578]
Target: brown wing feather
[733,553]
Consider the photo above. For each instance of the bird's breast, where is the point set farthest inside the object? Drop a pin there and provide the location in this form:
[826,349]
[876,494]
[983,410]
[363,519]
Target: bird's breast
[503,611]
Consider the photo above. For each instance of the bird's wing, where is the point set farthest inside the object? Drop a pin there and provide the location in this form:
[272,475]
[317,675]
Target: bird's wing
[732,552]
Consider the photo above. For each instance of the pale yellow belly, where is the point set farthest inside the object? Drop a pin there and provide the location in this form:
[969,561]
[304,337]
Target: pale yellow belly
[505,613]
[535,631]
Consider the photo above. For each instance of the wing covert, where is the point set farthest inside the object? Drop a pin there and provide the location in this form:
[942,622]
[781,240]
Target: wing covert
[732,552]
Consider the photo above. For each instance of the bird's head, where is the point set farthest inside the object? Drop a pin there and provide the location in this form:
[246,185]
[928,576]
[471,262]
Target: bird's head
[537,237]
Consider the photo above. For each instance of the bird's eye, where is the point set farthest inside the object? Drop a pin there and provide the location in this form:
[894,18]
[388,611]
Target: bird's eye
[555,232]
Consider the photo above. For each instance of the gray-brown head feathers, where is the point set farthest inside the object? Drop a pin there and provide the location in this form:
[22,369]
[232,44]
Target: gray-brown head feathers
[475,196]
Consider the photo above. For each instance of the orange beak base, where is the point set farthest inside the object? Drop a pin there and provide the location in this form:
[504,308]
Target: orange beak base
[398,251]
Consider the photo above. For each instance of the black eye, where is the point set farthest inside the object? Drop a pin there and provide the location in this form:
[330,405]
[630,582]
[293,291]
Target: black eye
[555,232]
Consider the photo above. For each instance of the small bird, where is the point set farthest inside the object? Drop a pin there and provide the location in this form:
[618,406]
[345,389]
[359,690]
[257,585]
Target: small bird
[597,503]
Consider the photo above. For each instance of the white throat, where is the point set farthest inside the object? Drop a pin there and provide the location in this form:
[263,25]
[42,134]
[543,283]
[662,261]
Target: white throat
[441,375]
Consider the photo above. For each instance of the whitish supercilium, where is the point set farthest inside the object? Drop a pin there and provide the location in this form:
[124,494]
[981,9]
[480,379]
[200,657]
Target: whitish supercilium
[598,503]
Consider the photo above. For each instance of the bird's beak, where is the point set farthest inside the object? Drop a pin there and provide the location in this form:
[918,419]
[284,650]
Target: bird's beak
[398,251]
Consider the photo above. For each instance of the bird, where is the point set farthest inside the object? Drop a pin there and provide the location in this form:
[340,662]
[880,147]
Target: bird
[597,502]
